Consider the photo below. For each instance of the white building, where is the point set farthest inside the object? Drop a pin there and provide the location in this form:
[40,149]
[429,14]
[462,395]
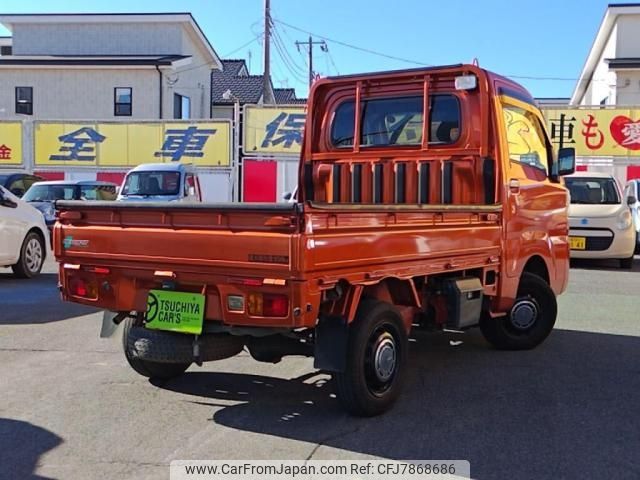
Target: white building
[105,66]
[611,76]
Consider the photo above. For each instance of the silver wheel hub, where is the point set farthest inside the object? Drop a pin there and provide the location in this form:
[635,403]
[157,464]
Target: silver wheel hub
[385,359]
[524,314]
[33,255]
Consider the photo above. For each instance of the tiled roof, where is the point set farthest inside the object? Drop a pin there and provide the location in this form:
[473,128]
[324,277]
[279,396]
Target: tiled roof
[248,88]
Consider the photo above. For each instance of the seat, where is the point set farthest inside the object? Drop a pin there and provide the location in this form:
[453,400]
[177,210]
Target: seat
[153,186]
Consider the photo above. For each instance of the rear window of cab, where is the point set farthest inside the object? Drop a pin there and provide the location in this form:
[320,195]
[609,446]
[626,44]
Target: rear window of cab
[397,121]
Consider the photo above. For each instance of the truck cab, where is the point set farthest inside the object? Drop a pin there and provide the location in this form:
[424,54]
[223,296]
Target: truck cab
[161,182]
[428,198]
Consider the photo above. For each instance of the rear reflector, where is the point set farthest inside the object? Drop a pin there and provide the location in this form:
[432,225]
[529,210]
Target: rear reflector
[81,288]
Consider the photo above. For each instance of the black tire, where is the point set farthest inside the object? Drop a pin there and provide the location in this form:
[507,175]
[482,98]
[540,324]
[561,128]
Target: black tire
[361,390]
[530,320]
[32,256]
[147,368]
[626,263]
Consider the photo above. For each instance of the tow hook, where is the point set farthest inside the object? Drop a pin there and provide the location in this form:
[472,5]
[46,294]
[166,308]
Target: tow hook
[196,351]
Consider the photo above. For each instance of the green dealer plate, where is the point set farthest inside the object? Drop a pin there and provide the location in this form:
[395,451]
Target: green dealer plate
[175,311]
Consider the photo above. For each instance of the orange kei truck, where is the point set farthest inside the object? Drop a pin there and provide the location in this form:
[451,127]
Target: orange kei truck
[426,198]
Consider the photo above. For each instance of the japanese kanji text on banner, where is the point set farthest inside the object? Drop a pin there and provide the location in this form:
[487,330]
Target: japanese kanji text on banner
[273,130]
[10,143]
[206,144]
[596,132]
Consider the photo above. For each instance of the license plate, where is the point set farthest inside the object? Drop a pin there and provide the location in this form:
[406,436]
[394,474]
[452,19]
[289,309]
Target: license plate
[175,311]
[577,243]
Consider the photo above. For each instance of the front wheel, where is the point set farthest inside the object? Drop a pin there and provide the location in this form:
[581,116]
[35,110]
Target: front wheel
[529,321]
[376,360]
[31,257]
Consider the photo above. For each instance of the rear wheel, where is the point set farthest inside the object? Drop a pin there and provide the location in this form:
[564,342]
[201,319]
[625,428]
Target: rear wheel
[148,368]
[376,360]
[31,257]
[529,321]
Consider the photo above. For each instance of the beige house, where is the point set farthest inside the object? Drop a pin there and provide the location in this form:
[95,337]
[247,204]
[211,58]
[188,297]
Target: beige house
[105,67]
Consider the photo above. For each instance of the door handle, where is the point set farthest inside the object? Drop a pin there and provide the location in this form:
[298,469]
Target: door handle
[514,186]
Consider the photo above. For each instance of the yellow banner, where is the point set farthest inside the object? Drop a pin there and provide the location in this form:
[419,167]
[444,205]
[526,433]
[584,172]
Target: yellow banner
[273,130]
[207,144]
[10,143]
[596,132]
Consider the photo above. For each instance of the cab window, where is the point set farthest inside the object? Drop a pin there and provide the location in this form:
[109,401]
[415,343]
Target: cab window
[525,138]
[397,121]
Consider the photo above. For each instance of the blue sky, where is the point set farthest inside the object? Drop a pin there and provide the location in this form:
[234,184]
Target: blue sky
[544,38]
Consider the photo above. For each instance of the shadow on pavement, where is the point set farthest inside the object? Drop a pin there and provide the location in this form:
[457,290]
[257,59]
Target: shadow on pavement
[611,264]
[35,300]
[21,445]
[568,409]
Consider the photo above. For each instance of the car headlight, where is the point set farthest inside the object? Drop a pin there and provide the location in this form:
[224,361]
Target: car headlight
[624,220]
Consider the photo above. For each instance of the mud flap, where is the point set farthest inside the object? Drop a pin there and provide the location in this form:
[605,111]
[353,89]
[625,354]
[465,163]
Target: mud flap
[331,340]
[110,323]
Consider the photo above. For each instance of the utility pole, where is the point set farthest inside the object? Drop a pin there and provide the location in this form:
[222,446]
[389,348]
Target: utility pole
[267,91]
[310,43]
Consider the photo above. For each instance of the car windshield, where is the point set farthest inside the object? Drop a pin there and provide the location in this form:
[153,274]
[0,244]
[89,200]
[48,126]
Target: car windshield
[50,193]
[98,192]
[152,183]
[593,191]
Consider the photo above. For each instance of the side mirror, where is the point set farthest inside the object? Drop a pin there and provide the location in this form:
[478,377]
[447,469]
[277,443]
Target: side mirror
[566,161]
[287,196]
[631,200]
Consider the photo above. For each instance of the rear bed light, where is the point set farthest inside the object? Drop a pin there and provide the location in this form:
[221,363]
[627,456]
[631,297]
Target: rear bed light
[71,266]
[98,270]
[268,305]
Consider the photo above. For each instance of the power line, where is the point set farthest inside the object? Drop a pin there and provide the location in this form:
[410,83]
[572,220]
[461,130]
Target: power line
[414,62]
[244,45]
[278,39]
[355,47]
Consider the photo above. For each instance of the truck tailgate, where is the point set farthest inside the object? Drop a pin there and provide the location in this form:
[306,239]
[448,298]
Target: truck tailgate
[189,237]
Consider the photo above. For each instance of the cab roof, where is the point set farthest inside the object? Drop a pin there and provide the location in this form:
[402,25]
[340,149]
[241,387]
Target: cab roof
[164,167]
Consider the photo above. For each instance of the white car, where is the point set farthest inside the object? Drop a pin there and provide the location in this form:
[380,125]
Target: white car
[600,221]
[633,192]
[24,238]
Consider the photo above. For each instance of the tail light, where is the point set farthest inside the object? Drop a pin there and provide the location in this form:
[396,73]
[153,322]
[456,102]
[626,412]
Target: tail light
[268,305]
[82,288]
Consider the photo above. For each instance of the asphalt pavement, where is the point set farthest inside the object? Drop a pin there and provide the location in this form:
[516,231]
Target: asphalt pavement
[70,407]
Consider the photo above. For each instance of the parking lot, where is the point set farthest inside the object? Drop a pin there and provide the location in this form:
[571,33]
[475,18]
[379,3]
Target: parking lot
[72,408]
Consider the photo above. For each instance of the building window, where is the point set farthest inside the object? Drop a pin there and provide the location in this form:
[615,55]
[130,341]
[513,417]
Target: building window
[24,100]
[5,50]
[181,106]
[122,98]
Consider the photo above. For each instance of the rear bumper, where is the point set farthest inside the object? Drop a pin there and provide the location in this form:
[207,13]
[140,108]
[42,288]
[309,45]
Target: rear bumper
[125,290]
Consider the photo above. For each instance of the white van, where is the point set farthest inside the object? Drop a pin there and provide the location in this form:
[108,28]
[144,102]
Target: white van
[161,182]
[600,221]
